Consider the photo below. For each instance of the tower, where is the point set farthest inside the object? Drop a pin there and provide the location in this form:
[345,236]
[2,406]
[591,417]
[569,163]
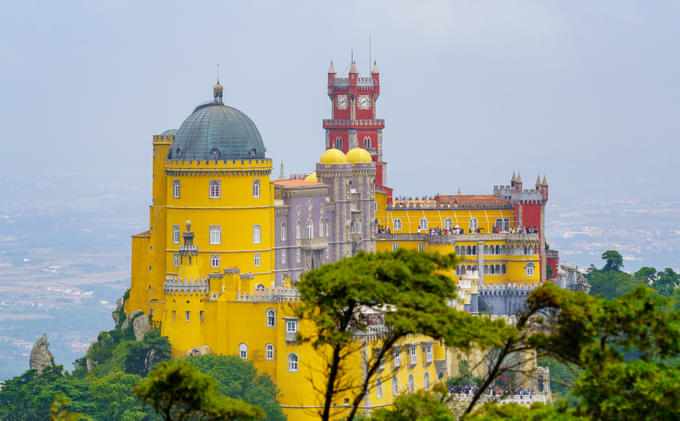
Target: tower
[353,122]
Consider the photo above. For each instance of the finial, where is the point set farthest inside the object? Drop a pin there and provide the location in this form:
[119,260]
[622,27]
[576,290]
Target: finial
[538,180]
[331,69]
[545,180]
[375,68]
[281,175]
[217,89]
[514,177]
[519,177]
[188,224]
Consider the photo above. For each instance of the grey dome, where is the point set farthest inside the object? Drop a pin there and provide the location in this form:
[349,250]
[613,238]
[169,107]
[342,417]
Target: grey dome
[216,131]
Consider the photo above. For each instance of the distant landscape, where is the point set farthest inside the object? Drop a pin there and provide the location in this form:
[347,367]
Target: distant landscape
[65,252]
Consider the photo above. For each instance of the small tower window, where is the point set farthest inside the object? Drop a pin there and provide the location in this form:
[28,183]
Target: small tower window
[448,224]
[256,260]
[215,154]
[422,225]
[367,143]
[283,257]
[338,143]
[378,388]
[283,231]
[175,234]
[271,317]
[529,269]
[426,381]
[215,234]
[396,224]
[257,231]
[256,188]
[175,189]
[298,230]
[215,189]
[215,261]
[411,384]
[293,363]
[395,386]
[243,351]
[310,229]
[269,352]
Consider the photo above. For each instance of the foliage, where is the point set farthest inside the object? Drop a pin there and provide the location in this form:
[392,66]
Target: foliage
[114,397]
[613,259]
[410,289]
[517,412]
[143,355]
[562,375]
[177,390]
[421,405]
[240,380]
[609,282]
[59,410]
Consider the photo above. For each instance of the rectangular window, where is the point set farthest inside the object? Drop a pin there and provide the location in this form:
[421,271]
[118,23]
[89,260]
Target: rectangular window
[256,260]
[421,246]
[256,188]
[187,315]
[215,261]
[175,260]
[291,326]
[175,189]
[283,257]
[257,231]
[395,246]
[175,234]
[215,189]
[215,234]
[298,256]
[200,316]
[174,315]
[428,353]
[397,357]
[413,351]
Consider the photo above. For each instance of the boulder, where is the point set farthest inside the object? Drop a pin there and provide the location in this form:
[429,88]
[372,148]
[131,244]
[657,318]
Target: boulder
[199,350]
[41,357]
[141,325]
[116,317]
[131,317]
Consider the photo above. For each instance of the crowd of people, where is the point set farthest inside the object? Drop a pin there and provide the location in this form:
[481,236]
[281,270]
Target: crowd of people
[492,391]
[457,230]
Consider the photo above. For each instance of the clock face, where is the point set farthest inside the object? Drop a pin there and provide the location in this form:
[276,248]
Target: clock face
[364,102]
[342,102]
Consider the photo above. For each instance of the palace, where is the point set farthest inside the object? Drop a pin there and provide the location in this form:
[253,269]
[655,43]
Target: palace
[217,268]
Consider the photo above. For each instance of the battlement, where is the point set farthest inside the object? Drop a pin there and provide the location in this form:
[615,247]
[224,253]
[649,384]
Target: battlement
[270,295]
[164,138]
[510,193]
[507,237]
[176,286]
[227,164]
[401,204]
[512,288]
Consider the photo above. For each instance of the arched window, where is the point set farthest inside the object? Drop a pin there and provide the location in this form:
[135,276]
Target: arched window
[462,250]
[457,250]
[473,224]
[462,270]
[498,249]
[321,234]
[469,268]
[378,388]
[491,269]
[503,269]
[474,250]
[256,188]
[525,250]
[293,363]
[448,224]
[486,269]
[367,143]
[283,231]
[457,270]
[426,381]
[486,249]
[529,269]
[298,230]
[271,318]
[469,250]
[269,352]
[243,351]
[396,224]
[338,143]
[395,386]
[327,230]
[531,250]
[353,226]
[422,225]
[411,384]
[498,268]
[310,228]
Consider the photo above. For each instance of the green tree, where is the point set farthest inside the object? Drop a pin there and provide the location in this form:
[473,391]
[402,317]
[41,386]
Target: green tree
[240,380]
[411,292]
[143,355]
[114,399]
[612,284]
[421,405]
[665,282]
[613,259]
[59,410]
[179,391]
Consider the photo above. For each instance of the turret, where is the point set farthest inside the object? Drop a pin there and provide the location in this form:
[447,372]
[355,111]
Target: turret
[518,182]
[331,79]
[353,74]
[217,92]
[376,81]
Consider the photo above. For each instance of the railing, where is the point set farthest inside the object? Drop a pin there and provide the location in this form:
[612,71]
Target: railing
[454,238]
[174,284]
[503,399]
[353,123]
[313,243]
[270,295]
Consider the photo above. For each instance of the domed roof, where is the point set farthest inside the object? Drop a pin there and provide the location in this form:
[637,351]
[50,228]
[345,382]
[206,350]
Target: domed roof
[359,155]
[216,131]
[312,177]
[333,156]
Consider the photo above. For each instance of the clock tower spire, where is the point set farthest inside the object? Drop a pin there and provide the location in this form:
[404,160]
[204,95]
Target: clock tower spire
[354,123]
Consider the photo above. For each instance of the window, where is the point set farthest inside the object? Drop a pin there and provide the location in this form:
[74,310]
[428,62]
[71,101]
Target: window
[321,234]
[298,230]
[269,352]
[327,225]
[215,189]
[422,224]
[367,143]
[283,231]
[411,384]
[354,227]
[174,315]
[378,388]
[457,250]
[200,316]
[503,269]
[448,224]
[175,189]
[469,250]
[310,228]
[503,224]
[421,246]
[397,357]
[215,261]
[298,256]
[529,268]
[271,318]
[375,206]
[283,257]
[256,188]
[413,352]
[175,260]
[396,225]
[215,234]
[256,260]
[395,246]
[395,386]
[256,234]
[498,249]
[243,351]
[426,381]
[291,326]
[293,363]
[338,143]
[175,234]
[428,353]
[473,224]
[187,316]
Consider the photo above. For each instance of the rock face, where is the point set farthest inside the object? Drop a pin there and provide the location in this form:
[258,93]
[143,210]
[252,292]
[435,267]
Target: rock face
[199,350]
[41,357]
[140,325]
[132,316]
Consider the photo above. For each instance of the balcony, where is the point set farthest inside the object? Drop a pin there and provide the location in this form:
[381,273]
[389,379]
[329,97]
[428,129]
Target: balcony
[318,243]
[353,124]
[457,238]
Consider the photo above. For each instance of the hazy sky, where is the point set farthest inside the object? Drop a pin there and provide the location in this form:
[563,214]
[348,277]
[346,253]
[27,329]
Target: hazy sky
[585,92]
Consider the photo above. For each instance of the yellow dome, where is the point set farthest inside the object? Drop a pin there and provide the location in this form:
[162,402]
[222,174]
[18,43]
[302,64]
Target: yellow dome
[312,177]
[333,156]
[359,155]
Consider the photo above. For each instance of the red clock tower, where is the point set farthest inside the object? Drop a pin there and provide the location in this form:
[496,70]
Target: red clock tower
[353,123]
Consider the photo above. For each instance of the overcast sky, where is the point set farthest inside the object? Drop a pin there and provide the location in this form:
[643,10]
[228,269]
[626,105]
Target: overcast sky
[584,92]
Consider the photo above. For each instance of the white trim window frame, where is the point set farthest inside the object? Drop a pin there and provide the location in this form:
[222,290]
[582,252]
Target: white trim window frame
[215,189]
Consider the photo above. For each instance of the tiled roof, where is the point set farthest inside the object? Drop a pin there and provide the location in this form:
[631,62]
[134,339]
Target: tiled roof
[297,183]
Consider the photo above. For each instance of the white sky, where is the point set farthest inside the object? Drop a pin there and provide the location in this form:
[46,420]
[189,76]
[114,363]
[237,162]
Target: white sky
[584,92]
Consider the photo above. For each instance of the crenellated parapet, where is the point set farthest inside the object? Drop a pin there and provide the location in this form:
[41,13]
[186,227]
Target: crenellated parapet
[271,295]
[508,237]
[513,195]
[176,286]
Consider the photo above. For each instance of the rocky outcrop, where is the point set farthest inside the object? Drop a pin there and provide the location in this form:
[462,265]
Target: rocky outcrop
[141,325]
[41,357]
[199,350]
[131,318]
